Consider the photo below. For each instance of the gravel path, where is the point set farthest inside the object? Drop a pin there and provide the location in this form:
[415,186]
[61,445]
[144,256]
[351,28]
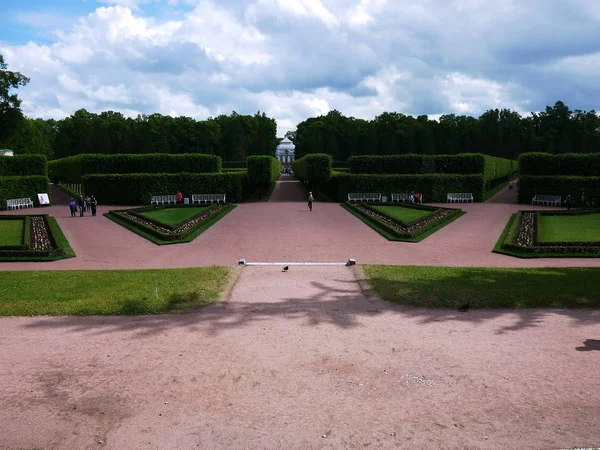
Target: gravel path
[302,360]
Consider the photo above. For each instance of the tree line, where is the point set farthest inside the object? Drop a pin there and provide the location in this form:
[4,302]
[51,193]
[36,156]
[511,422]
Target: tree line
[503,133]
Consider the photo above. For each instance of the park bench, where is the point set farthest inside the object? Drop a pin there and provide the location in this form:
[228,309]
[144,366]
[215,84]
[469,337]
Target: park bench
[550,200]
[398,198]
[462,197]
[208,198]
[19,203]
[364,197]
[162,199]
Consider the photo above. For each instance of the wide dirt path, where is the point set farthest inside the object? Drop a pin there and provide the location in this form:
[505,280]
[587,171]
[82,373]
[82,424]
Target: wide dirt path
[288,232]
[288,189]
[302,360]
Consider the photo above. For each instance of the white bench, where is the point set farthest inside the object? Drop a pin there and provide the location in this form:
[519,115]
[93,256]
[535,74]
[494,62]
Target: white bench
[397,198]
[550,200]
[208,198]
[19,203]
[364,197]
[462,197]
[162,199]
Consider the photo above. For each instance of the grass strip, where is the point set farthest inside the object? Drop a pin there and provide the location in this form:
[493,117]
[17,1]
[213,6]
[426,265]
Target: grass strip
[110,292]
[449,287]
[11,232]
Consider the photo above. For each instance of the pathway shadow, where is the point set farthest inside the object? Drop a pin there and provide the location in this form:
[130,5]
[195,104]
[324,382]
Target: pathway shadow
[589,345]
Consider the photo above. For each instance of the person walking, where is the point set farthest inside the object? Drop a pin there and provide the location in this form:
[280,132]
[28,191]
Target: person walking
[73,207]
[568,202]
[93,204]
[311,199]
[81,206]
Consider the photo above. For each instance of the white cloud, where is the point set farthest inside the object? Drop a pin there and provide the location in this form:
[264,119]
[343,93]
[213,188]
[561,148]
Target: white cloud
[297,58]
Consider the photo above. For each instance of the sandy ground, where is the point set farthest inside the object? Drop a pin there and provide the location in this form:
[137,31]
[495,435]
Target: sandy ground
[293,363]
[285,230]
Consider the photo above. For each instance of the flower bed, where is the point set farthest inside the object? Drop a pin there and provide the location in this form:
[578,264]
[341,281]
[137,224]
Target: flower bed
[404,231]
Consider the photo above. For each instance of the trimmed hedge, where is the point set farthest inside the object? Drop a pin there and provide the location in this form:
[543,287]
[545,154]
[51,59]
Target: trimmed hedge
[490,167]
[434,187]
[74,168]
[314,168]
[263,169]
[135,189]
[589,187]
[22,187]
[546,164]
[23,165]
[234,164]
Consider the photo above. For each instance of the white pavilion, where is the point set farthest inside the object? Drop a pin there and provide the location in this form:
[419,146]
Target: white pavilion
[285,153]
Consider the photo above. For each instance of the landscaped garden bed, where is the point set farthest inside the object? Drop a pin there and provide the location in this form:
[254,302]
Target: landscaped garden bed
[551,234]
[403,221]
[32,238]
[170,224]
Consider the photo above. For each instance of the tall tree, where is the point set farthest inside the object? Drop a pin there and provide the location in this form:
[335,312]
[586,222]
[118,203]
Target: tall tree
[10,104]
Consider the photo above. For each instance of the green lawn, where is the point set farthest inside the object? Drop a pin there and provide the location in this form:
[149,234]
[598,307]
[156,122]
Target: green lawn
[110,292]
[585,227]
[11,232]
[449,287]
[173,216]
[405,215]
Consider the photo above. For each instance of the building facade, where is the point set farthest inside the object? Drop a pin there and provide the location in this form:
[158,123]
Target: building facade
[285,153]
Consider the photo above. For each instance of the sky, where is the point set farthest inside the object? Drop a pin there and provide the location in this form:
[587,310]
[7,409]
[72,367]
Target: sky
[294,59]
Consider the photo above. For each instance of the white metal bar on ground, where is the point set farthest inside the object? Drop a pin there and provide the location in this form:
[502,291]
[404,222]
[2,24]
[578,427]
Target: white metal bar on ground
[296,263]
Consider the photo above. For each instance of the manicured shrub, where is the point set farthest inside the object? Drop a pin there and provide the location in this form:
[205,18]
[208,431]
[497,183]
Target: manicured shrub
[393,164]
[545,164]
[583,190]
[72,169]
[314,168]
[22,187]
[23,165]
[434,187]
[263,169]
[135,189]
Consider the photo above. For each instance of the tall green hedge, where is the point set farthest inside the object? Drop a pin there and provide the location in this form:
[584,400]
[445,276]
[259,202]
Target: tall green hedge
[23,165]
[544,164]
[314,168]
[574,186]
[73,168]
[135,189]
[434,187]
[263,169]
[22,187]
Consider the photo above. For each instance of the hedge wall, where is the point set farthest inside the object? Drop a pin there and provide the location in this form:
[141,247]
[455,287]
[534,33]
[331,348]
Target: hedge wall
[434,187]
[313,168]
[135,189]
[574,186]
[23,165]
[263,169]
[545,164]
[75,167]
[22,187]
[490,167]
[234,164]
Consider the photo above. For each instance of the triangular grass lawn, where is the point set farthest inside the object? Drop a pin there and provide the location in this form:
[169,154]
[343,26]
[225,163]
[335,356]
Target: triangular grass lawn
[173,216]
[402,213]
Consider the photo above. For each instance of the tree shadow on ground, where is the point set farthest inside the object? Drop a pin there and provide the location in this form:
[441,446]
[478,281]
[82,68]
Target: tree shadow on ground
[329,305]
[589,345]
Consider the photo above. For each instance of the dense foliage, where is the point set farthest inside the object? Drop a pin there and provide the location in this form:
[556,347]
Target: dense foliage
[585,191]
[434,187]
[263,169]
[10,105]
[72,169]
[501,133]
[23,165]
[22,187]
[135,189]
[549,164]
[232,137]
[313,168]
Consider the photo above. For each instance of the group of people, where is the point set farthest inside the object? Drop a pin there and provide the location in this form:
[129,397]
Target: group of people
[84,203]
[415,197]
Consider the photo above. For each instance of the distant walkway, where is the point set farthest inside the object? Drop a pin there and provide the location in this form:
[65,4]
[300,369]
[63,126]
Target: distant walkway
[288,189]
[58,196]
[506,195]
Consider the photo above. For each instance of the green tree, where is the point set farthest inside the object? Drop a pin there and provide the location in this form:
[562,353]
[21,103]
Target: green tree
[10,104]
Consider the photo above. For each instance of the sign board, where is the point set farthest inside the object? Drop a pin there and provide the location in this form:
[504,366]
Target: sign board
[383,199]
[43,199]
[186,201]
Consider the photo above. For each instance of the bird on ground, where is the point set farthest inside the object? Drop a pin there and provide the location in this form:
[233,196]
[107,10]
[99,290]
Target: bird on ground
[285,269]
[465,307]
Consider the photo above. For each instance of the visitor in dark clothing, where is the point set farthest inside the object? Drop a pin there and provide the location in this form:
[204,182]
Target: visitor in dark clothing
[93,204]
[81,206]
[73,207]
